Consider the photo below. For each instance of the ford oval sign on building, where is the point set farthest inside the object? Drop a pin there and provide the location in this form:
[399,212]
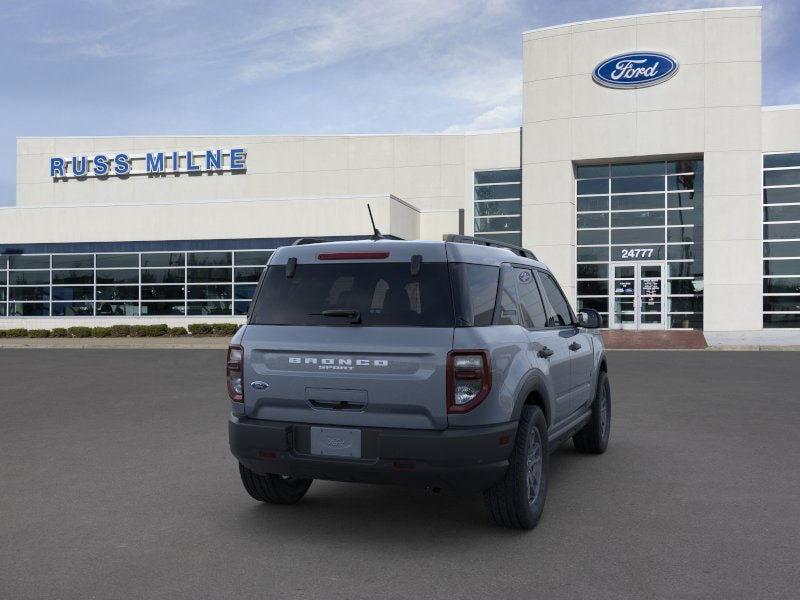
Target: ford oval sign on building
[635,70]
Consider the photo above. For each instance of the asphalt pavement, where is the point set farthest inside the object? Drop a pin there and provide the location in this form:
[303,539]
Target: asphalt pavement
[116,482]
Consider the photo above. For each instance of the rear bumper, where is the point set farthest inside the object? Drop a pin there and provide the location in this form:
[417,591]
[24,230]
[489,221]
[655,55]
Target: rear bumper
[463,459]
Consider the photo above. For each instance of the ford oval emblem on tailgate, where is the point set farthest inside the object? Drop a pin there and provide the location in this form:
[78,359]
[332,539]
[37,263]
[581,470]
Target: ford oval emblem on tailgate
[259,385]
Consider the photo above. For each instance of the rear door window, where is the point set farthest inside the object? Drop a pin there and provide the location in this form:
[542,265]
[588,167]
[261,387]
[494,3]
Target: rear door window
[562,314]
[530,300]
[384,294]
[474,293]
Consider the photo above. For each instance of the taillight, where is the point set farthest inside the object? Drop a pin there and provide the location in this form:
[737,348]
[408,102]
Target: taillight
[469,379]
[234,372]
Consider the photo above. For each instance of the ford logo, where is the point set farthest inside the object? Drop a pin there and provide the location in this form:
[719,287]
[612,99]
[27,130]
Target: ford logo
[259,385]
[635,70]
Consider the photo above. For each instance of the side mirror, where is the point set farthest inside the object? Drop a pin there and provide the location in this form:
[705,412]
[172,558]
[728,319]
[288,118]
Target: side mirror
[590,319]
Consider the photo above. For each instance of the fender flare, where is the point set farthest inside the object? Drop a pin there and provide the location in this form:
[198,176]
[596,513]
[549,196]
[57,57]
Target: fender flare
[534,381]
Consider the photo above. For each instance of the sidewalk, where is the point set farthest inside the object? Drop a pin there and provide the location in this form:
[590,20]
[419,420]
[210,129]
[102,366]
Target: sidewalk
[183,343]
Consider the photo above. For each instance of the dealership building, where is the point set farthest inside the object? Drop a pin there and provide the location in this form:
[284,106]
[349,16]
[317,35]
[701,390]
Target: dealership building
[646,173]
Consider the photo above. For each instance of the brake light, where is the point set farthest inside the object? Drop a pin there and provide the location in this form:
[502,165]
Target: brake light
[469,379]
[234,372]
[352,255]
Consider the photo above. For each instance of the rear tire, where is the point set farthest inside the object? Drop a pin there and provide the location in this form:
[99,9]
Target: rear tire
[273,489]
[593,438]
[518,499]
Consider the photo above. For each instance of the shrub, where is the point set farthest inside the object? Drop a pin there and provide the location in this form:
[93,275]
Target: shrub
[101,332]
[120,330]
[16,332]
[156,330]
[201,329]
[226,329]
[138,330]
[39,333]
[59,332]
[177,331]
[80,332]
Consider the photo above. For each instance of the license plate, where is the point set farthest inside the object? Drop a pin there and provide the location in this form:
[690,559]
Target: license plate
[331,441]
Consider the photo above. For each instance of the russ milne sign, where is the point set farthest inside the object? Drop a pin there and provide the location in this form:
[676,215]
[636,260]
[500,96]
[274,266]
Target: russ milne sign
[635,70]
[150,163]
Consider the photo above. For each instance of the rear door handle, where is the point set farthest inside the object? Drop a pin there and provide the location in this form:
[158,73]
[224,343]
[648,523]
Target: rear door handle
[574,346]
[545,352]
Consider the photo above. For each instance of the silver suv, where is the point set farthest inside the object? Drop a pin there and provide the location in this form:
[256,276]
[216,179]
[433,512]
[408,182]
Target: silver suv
[452,365]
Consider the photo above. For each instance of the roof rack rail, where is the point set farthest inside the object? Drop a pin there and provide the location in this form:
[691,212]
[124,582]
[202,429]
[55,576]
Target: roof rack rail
[309,240]
[466,239]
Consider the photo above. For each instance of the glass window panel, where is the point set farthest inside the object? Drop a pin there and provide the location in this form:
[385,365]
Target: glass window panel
[782,195]
[637,202]
[638,252]
[637,236]
[2,277]
[693,304]
[782,213]
[637,219]
[592,236]
[73,261]
[637,184]
[782,303]
[498,224]
[3,308]
[508,238]
[681,269]
[117,309]
[29,293]
[501,176]
[648,168]
[28,309]
[2,294]
[163,259]
[162,292]
[25,261]
[782,285]
[782,267]
[209,275]
[681,217]
[775,321]
[562,315]
[3,262]
[506,207]
[586,171]
[685,286]
[592,254]
[592,186]
[209,292]
[530,300]
[73,277]
[592,271]
[593,288]
[782,249]
[240,307]
[684,166]
[73,309]
[680,252]
[593,220]
[598,203]
[163,276]
[686,321]
[209,308]
[117,292]
[598,304]
[680,234]
[116,261]
[117,276]
[70,292]
[247,273]
[684,199]
[29,277]
[680,182]
[791,159]
[493,192]
[788,177]
[252,257]
[209,259]
[244,292]
[162,308]
[782,231]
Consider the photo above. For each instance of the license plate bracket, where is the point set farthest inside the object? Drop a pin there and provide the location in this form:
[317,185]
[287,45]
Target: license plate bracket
[335,441]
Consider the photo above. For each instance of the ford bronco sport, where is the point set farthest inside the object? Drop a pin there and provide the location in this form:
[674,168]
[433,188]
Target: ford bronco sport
[452,365]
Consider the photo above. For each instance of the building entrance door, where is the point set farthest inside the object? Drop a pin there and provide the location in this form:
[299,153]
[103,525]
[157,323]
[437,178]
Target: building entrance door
[637,295]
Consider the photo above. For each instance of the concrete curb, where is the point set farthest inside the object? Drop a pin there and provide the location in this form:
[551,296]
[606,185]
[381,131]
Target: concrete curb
[165,343]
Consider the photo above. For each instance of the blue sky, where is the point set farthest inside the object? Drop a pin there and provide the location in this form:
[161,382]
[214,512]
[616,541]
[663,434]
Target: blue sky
[104,67]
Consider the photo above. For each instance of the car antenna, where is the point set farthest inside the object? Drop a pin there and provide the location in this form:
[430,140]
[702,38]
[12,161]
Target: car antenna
[376,234]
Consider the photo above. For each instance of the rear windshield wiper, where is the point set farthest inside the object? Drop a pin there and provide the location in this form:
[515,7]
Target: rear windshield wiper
[347,313]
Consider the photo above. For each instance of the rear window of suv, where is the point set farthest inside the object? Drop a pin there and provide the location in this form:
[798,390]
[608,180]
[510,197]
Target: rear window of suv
[383,294]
